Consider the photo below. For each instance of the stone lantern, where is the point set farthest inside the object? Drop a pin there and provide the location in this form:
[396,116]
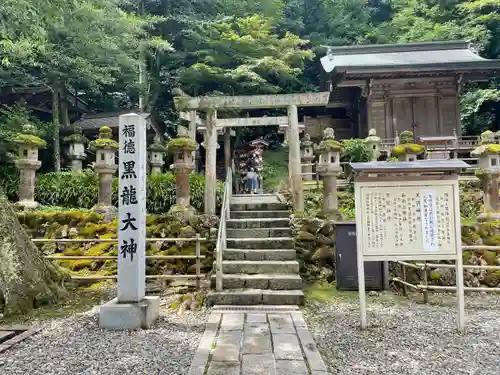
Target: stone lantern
[28,144]
[105,166]
[76,151]
[373,143]
[328,166]
[182,149]
[156,152]
[488,154]
[407,150]
[307,156]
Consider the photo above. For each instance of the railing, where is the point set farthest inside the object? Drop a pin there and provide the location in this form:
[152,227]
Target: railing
[427,267]
[221,235]
[198,276]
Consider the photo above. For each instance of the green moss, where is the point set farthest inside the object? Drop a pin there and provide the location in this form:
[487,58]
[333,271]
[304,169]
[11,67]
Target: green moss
[75,138]
[330,145]
[407,148]
[493,149]
[157,147]
[182,144]
[406,137]
[492,278]
[467,257]
[435,276]
[104,144]
[29,140]
[490,257]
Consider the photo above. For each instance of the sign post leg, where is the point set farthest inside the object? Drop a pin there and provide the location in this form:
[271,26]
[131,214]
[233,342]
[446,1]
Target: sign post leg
[361,288]
[460,292]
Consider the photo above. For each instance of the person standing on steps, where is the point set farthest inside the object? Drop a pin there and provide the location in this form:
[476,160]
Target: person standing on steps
[252,175]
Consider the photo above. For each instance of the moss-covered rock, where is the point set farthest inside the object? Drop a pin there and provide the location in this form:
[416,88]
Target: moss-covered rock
[182,144]
[407,148]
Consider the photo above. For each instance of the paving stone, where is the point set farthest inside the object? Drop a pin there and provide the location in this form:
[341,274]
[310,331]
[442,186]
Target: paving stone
[4,335]
[291,368]
[232,322]
[224,368]
[281,323]
[257,329]
[298,319]
[227,347]
[320,373]
[311,351]
[256,318]
[258,364]
[286,346]
[257,344]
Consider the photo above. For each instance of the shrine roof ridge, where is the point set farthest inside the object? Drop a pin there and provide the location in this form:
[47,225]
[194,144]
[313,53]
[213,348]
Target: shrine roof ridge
[385,48]
[419,165]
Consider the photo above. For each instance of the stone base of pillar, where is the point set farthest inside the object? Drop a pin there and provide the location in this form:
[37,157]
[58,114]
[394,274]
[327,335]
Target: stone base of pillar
[125,316]
[76,164]
[156,168]
[28,204]
[181,210]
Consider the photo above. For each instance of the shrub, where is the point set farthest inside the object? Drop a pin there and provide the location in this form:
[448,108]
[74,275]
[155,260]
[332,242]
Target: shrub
[80,189]
[355,151]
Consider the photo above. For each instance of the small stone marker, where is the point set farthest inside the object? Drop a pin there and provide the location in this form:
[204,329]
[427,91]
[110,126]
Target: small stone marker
[131,309]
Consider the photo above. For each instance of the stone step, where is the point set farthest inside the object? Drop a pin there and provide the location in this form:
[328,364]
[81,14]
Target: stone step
[254,267]
[259,207]
[260,281]
[257,223]
[258,232]
[255,255]
[260,243]
[256,297]
[260,214]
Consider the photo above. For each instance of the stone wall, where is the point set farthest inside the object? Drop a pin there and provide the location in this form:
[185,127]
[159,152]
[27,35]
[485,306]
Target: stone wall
[315,245]
[89,225]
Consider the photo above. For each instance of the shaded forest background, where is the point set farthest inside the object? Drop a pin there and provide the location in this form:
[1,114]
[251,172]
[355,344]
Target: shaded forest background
[113,52]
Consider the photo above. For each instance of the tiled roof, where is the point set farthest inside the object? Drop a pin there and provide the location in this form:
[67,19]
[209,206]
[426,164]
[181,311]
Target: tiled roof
[97,120]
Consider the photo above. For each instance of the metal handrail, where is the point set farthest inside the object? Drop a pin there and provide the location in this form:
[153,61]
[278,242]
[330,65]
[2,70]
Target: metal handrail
[221,235]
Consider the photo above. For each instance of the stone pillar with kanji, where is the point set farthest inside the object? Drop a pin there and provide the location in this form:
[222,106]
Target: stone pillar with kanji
[105,166]
[373,144]
[28,143]
[406,149]
[156,152]
[328,167]
[182,149]
[307,157]
[76,150]
[488,172]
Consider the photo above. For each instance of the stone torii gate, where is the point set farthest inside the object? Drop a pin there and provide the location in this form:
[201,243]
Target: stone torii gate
[210,105]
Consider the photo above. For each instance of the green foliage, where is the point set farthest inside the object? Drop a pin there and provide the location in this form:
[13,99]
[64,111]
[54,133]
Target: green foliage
[104,143]
[355,151]
[79,189]
[330,145]
[75,138]
[477,110]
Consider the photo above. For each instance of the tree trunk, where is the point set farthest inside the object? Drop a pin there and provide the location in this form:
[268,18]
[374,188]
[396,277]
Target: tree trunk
[56,143]
[26,278]
[65,123]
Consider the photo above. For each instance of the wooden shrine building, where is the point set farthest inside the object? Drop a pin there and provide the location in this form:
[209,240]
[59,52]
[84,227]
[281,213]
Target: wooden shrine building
[393,88]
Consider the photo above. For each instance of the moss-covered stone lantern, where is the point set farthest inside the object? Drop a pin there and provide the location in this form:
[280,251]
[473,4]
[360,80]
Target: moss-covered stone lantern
[307,156]
[28,143]
[156,153]
[76,151]
[328,166]
[488,154]
[105,166]
[407,150]
[182,149]
[373,144]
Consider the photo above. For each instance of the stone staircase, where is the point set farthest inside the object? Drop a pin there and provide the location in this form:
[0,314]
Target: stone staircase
[259,263]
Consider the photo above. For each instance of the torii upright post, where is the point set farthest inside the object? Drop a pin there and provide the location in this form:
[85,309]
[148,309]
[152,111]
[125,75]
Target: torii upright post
[211,162]
[294,159]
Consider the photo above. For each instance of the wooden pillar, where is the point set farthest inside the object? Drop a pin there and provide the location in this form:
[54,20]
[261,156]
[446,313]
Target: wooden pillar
[227,147]
[294,159]
[210,161]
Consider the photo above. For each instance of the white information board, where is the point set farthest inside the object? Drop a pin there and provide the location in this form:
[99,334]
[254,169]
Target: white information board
[408,221]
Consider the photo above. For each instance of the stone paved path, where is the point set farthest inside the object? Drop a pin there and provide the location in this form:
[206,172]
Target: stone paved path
[257,340]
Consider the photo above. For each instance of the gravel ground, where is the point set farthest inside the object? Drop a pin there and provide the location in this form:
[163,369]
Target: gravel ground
[76,346]
[405,337]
